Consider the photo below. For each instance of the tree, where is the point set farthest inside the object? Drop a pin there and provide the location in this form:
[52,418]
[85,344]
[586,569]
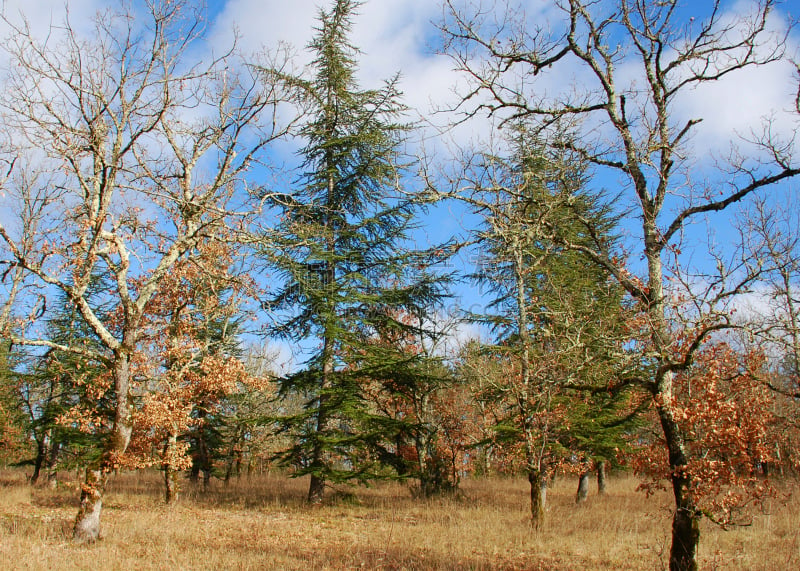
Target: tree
[56,387]
[426,412]
[557,316]
[636,59]
[146,149]
[769,235]
[341,249]
[192,357]
[31,201]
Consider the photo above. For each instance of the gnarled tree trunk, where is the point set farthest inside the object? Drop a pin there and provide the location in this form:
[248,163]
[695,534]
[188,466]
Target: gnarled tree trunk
[87,523]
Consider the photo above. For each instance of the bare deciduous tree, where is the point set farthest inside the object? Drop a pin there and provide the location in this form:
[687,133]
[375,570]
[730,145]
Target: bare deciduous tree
[146,149]
[634,60]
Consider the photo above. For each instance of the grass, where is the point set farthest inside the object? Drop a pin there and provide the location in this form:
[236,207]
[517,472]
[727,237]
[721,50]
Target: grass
[262,523]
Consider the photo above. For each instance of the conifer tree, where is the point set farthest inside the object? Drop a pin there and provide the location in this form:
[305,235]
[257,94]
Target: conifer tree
[342,249]
[54,388]
[557,317]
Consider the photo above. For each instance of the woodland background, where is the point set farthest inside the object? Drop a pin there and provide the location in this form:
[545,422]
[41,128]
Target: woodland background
[175,219]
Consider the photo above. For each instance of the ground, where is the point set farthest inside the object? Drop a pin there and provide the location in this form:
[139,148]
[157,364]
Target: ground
[261,523]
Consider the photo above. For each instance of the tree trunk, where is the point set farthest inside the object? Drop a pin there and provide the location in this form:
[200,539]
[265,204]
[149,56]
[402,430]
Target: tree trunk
[601,478]
[231,460]
[170,485]
[41,455]
[170,475]
[538,497]
[685,539]
[52,464]
[686,519]
[206,477]
[194,473]
[316,490]
[583,487]
[201,460]
[87,522]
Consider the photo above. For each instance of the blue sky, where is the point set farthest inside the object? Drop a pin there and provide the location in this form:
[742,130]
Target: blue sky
[399,36]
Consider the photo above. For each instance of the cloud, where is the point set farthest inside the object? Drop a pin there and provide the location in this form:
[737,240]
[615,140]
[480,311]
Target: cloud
[393,36]
[737,105]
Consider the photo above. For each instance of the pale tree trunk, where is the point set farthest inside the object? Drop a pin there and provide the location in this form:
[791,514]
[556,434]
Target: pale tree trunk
[87,522]
[601,478]
[52,464]
[583,487]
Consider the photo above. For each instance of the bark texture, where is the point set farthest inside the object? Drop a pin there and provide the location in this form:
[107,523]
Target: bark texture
[583,487]
[538,497]
[601,478]
[87,524]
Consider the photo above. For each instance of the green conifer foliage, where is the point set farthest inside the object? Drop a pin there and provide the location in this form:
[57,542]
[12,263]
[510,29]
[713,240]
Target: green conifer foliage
[342,247]
[558,318]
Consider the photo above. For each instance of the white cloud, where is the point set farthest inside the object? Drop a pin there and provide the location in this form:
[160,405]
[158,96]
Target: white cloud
[736,105]
[392,36]
[42,15]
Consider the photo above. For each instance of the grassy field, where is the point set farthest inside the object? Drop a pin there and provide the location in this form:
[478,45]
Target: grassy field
[262,523]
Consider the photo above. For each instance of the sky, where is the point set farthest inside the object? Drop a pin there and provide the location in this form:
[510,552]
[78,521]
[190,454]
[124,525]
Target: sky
[400,36]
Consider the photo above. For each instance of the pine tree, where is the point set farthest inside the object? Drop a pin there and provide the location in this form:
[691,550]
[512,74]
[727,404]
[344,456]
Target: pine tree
[342,251]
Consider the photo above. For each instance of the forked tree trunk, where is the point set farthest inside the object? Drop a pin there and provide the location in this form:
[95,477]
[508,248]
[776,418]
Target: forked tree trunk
[87,522]
[583,487]
[41,455]
[601,478]
[538,497]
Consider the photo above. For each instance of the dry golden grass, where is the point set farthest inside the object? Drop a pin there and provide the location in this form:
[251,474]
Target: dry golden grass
[262,523]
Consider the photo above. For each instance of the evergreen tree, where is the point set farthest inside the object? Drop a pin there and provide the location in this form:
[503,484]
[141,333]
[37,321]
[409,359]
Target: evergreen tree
[53,390]
[557,317]
[12,421]
[341,249]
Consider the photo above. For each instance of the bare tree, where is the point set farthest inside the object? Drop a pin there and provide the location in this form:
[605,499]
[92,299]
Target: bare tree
[769,233]
[146,149]
[634,60]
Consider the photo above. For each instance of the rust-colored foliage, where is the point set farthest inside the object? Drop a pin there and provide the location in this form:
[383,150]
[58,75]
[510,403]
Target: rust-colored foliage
[725,413]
